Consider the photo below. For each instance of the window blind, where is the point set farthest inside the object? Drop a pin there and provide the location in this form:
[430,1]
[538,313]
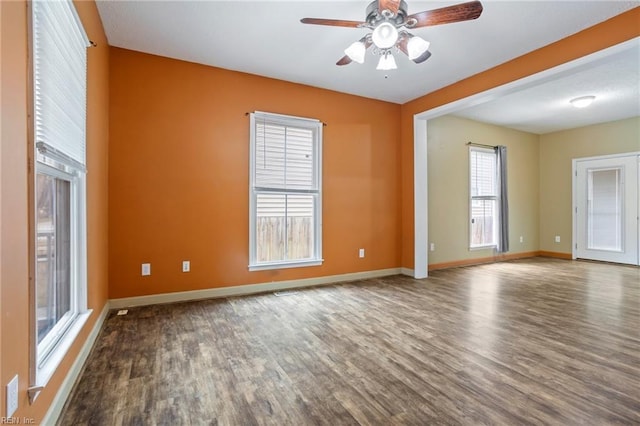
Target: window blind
[483,174]
[284,157]
[60,66]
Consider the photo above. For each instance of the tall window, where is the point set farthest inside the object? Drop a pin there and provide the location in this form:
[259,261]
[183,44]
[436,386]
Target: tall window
[285,192]
[59,109]
[484,190]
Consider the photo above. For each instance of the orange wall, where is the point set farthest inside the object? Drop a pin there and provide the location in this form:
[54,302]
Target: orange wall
[606,34]
[14,289]
[2,396]
[14,262]
[179,175]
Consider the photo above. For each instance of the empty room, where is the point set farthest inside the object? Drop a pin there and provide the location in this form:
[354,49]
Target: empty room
[319,212]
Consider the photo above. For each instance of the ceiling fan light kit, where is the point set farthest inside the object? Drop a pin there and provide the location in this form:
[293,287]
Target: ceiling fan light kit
[416,47]
[356,51]
[385,36]
[386,19]
[387,62]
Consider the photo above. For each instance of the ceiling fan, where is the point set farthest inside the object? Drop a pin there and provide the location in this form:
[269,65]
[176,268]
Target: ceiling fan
[389,21]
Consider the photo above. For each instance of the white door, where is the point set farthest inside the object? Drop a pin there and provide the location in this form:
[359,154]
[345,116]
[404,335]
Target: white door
[606,210]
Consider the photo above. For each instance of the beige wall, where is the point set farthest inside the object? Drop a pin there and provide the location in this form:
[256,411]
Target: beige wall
[448,176]
[539,181]
[556,152]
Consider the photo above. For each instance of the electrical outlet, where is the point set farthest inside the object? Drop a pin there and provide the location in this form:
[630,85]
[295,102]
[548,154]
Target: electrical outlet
[557,238]
[146,269]
[432,247]
[12,396]
[186,266]
[361,253]
[521,239]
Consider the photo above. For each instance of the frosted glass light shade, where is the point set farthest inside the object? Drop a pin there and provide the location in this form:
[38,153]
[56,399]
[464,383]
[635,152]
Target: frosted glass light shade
[416,47]
[385,35]
[387,62]
[583,101]
[356,52]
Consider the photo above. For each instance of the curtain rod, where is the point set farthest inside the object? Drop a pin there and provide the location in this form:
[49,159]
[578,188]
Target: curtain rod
[249,113]
[479,144]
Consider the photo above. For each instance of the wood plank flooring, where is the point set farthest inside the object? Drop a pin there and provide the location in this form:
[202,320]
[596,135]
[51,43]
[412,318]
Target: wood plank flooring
[535,341]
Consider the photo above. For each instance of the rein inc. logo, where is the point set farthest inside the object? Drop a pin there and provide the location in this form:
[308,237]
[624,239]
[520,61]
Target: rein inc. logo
[17,421]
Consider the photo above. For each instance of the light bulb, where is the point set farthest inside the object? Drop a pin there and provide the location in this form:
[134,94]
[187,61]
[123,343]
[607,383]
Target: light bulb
[416,47]
[387,62]
[385,35]
[356,51]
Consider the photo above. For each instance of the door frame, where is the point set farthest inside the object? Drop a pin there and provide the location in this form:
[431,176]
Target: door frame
[574,197]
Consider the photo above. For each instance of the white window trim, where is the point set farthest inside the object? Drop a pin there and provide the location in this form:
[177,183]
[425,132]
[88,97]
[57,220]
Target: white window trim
[47,160]
[45,364]
[486,197]
[293,121]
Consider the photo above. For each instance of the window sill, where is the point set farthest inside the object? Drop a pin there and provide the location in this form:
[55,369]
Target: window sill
[489,247]
[46,370]
[285,265]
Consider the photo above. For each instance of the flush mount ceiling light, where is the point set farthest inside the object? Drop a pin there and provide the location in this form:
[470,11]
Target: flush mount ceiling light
[582,101]
[386,19]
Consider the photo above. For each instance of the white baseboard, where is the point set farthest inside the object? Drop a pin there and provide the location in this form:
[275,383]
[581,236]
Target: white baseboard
[55,409]
[407,272]
[240,290]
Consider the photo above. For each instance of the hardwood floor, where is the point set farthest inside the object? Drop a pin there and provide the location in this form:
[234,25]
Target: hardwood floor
[536,341]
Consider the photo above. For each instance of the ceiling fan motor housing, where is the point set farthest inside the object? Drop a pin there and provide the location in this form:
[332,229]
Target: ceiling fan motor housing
[374,17]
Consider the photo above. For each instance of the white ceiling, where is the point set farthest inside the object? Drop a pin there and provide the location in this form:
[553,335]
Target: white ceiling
[266,38]
[543,108]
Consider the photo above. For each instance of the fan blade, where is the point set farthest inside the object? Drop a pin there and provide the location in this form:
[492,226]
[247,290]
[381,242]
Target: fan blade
[345,60]
[333,22]
[390,5]
[402,46]
[445,15]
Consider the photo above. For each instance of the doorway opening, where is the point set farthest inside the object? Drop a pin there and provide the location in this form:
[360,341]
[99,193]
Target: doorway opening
[420,129]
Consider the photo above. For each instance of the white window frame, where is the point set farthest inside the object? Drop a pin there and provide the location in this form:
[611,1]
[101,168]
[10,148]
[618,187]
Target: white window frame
[50,351]
[290,121]
[496,198]
[50,157]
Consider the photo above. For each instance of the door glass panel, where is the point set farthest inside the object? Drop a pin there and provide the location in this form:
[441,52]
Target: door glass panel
[604,209]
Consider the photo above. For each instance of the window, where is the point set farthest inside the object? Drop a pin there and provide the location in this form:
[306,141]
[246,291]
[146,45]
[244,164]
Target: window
[59,111]
[285,192]
[484,203]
